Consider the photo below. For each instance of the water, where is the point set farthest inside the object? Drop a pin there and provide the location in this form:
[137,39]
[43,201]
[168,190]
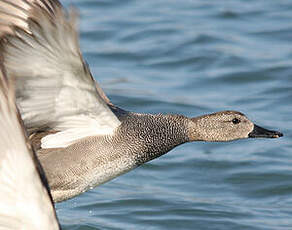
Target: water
[194,57]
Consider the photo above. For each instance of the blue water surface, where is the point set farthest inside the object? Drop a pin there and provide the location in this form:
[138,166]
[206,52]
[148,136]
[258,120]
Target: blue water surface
[193,57]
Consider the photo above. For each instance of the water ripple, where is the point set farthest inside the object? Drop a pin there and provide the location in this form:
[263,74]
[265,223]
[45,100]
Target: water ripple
[194,57]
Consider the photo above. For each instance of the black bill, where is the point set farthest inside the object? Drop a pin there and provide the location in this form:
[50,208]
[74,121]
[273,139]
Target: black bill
[261,132]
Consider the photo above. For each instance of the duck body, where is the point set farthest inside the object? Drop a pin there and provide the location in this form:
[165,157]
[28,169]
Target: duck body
[95,160]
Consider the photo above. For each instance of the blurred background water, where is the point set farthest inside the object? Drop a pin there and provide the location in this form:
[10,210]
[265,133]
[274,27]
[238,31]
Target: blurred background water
[193,57]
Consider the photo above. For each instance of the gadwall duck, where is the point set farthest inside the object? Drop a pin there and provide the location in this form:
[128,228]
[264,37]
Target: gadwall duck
[25,200]
[82,139]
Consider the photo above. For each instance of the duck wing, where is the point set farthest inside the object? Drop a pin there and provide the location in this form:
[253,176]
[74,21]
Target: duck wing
[25,201]
[54,87]
[15,16]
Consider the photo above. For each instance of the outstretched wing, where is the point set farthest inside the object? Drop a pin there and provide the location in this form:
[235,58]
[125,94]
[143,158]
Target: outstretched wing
[15,16]
[55,88]
[24,200]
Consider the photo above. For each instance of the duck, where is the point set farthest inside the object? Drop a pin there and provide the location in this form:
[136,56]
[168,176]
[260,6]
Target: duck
[25,199]
[81,138]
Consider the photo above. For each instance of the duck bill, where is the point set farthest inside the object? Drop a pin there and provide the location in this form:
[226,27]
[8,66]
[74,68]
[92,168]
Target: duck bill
[264,133]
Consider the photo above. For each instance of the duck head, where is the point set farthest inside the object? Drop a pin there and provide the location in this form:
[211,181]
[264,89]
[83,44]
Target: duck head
[227,126]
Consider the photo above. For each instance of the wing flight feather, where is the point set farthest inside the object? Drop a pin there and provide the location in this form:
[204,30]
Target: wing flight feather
[25,202]
[55,88]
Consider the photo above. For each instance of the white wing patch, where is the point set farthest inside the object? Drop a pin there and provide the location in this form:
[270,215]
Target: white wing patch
[84,126]
[55,89]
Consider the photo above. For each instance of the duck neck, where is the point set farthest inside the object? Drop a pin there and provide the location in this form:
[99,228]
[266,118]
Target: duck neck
[154,134]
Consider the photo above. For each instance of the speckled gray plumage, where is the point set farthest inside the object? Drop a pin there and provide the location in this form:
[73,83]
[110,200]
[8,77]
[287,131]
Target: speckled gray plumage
[156,134]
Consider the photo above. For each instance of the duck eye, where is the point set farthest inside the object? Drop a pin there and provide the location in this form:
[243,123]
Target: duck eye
[235,121]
